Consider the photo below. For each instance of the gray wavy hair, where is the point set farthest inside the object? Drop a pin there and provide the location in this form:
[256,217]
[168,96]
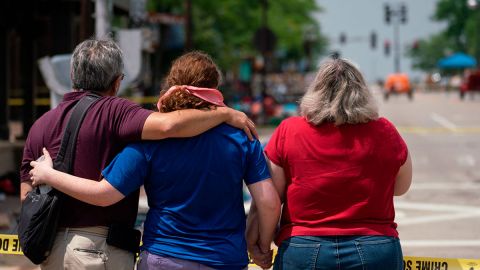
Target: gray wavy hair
[95,65]
[338,94]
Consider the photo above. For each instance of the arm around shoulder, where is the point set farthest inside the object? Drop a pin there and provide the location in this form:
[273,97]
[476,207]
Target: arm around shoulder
[189,123]
[181,123]
[100,193]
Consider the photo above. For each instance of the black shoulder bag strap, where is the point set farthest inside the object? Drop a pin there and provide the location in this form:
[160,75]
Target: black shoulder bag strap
[40,212]
[64,160]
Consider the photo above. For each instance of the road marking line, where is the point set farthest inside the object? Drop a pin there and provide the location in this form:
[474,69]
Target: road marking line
[440,243]
[440,130]
[466,160]
[400,214]
[437,207]
[444,186]
[453,212]
[422,160]
[419,130]
[443,121]
[434,218]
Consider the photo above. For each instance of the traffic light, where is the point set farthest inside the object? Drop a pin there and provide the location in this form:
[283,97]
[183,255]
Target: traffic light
[415,45]
[386,47]
[403,13]
[343,38]
[388,14]
[335,55]
[373,40]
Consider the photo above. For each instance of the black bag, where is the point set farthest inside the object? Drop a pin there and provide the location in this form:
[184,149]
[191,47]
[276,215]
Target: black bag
[37,226]
[124,237]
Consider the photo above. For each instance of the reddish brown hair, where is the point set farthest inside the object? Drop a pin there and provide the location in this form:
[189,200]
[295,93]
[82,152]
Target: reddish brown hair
[195,69]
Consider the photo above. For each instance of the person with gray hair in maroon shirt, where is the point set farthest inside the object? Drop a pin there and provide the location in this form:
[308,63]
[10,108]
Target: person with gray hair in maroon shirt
[109,125]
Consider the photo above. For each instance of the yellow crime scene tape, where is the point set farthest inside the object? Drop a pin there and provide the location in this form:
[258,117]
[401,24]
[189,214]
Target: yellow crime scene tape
[9,244]
[426,263]
[46,101]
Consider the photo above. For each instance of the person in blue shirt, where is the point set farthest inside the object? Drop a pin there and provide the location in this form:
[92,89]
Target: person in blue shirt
[196,217]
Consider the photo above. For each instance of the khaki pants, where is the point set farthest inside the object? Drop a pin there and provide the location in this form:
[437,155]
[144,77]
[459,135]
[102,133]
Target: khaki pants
[86,249]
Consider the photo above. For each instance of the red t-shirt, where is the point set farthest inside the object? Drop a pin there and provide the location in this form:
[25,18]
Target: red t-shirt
[109,125]
[340,179]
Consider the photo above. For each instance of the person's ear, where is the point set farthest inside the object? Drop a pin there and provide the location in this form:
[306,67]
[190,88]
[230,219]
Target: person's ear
[116,85]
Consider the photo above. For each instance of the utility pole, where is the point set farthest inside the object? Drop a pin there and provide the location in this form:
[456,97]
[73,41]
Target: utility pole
[188,26]
[396,45]
[265,41]
[373,40]
[85,13]
[102,19]
[27,68]
[474,6]
[310,38]
[396,15]
[4,130]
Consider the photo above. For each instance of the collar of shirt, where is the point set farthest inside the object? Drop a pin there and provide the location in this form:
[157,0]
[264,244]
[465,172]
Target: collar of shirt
[74,95]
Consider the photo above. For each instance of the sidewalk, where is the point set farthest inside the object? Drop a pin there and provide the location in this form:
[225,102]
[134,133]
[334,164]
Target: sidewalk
[10,208]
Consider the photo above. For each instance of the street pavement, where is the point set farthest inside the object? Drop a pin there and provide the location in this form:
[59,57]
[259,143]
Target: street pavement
[440,215]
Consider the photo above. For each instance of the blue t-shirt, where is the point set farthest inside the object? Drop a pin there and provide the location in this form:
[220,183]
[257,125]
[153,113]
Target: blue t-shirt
[194,189]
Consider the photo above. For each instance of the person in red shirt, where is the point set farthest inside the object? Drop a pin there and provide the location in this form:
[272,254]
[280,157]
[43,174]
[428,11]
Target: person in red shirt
[337,168]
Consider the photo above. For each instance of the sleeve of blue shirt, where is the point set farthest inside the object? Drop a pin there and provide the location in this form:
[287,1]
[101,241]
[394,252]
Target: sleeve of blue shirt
[256,169]
[128,170]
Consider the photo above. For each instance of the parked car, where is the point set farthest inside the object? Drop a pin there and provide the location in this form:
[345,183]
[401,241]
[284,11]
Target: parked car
[397,83]
[471,83]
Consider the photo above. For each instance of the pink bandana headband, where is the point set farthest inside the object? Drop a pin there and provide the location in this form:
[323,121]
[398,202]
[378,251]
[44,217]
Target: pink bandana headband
[208,94]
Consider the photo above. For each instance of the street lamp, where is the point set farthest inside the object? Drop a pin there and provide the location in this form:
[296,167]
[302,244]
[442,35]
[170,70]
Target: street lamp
[4,129]
[472,4]
[309,39]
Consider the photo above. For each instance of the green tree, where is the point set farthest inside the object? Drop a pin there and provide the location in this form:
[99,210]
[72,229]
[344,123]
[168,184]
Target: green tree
[455,13]
[225,29]
[461,34]
[427,52]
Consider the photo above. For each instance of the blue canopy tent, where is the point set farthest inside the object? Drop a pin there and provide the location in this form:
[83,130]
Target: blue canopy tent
[457,60]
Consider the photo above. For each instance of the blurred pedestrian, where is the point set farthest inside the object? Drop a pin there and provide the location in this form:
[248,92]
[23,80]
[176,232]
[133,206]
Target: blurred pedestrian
[337,168]
[196,218]
[110,124]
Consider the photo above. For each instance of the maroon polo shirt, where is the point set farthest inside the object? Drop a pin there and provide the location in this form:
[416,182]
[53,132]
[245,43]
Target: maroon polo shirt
[109,125]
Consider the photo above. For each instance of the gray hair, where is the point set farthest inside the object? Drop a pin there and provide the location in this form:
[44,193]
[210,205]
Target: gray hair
[338,94]
[95,65]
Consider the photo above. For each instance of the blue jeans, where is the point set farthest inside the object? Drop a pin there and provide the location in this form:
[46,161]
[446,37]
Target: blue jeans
[339,253]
